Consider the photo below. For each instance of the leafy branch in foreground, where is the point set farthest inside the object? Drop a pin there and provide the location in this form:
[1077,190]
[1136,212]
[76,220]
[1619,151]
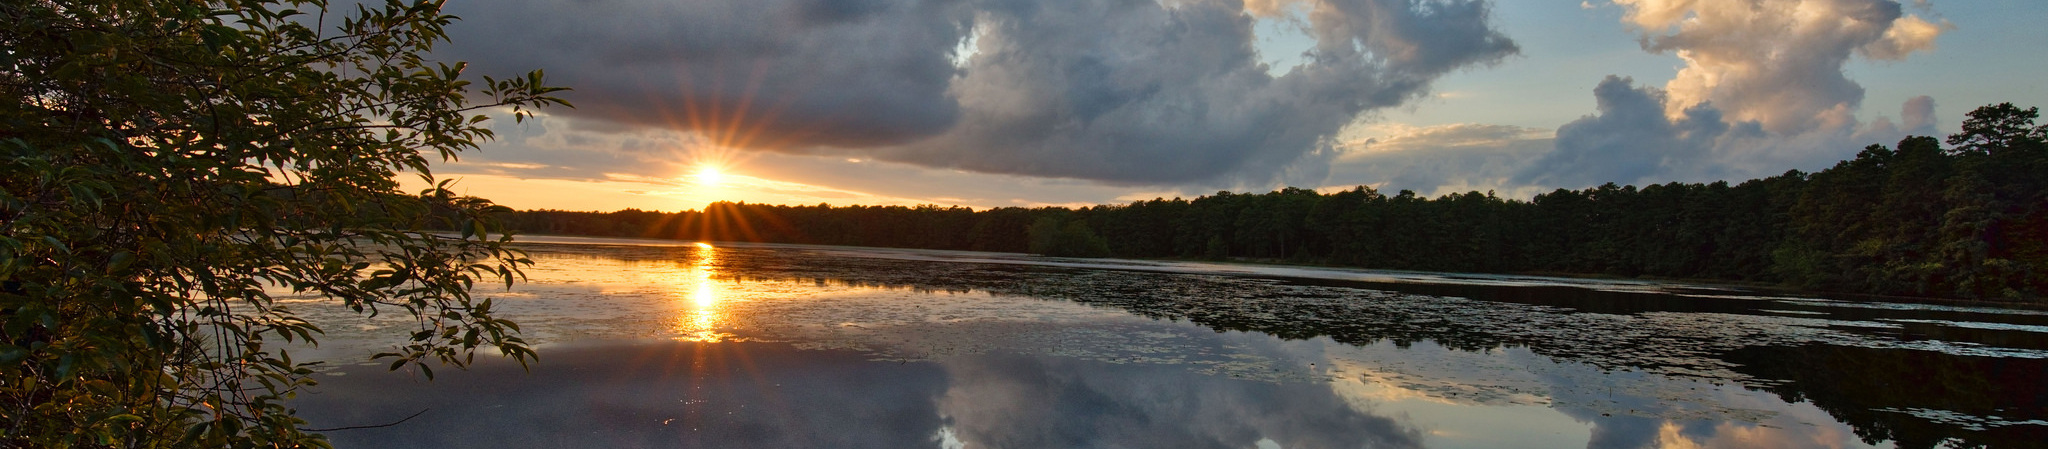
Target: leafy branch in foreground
[166,167]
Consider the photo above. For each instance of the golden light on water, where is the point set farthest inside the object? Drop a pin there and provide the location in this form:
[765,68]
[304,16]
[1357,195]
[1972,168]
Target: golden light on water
[706,294]
[703,312]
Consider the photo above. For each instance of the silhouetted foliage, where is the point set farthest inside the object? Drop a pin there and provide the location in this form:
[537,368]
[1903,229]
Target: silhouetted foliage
[1970,221]
[1073,239]
[166,167]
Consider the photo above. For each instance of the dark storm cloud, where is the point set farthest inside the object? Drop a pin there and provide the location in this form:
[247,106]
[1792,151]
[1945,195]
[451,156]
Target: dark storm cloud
[1630,140]
[1633,140]
[1136,92]
[765,72]
[1122,91]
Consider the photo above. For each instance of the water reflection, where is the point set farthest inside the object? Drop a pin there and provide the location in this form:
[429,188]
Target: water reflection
[755,395]
[659,394]
[1011,401]
[1915,398]
[702,319]
[1203,359]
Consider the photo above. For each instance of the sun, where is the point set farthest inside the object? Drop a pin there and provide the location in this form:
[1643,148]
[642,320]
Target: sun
[710,175]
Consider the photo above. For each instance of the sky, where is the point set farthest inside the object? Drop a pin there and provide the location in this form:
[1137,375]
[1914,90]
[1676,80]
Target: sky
[1000,103]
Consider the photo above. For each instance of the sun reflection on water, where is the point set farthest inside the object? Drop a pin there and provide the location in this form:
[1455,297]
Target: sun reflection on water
[704,314]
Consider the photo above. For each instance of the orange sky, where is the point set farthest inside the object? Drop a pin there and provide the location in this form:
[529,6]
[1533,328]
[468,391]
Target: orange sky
[683,192]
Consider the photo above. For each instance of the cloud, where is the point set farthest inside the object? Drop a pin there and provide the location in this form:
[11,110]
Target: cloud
[567,162]
[1458,135]
[1777,62]
[1629,140]
[1908,35]
[1118,91]
[1270,8]
[1438,160]
[573,147]
[1762,90]
[1918,114]
[1010,401]
[770,73]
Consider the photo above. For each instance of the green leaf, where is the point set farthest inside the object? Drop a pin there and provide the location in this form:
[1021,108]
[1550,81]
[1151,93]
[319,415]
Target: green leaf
[57,244]
[67,365]
[10,354]
[119,261]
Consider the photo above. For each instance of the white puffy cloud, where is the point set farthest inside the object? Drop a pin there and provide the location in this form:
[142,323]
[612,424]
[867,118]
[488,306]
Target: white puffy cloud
[1776,62]
[1762,90]
[1002,401]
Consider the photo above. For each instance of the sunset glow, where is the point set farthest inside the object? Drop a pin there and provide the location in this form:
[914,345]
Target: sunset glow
[710,176]
[704,313]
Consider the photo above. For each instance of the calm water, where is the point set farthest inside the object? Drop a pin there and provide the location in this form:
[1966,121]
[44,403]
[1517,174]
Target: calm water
[750,346]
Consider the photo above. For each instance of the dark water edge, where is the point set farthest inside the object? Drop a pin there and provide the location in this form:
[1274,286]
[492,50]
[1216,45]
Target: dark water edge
[1879,392]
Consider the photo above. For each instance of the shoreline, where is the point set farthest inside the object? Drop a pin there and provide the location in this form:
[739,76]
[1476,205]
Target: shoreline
[1761,287]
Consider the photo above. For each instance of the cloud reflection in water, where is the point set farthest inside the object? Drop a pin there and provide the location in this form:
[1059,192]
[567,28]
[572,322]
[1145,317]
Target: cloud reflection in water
[761,395]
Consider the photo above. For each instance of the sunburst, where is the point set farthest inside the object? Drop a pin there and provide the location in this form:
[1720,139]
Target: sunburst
[710,175]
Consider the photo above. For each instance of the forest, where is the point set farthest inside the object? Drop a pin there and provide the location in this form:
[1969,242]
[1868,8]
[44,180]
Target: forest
[1967,221]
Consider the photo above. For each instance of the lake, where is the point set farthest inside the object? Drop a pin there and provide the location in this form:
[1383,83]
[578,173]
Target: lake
[678,344]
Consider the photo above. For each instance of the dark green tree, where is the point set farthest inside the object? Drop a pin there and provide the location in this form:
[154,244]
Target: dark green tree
[167,166]
[1072,239]
[2000,127]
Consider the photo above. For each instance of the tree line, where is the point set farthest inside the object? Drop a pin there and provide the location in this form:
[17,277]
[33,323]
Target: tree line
[1969,220]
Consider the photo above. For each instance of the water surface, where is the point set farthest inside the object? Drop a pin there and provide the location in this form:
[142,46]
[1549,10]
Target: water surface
[656,344]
